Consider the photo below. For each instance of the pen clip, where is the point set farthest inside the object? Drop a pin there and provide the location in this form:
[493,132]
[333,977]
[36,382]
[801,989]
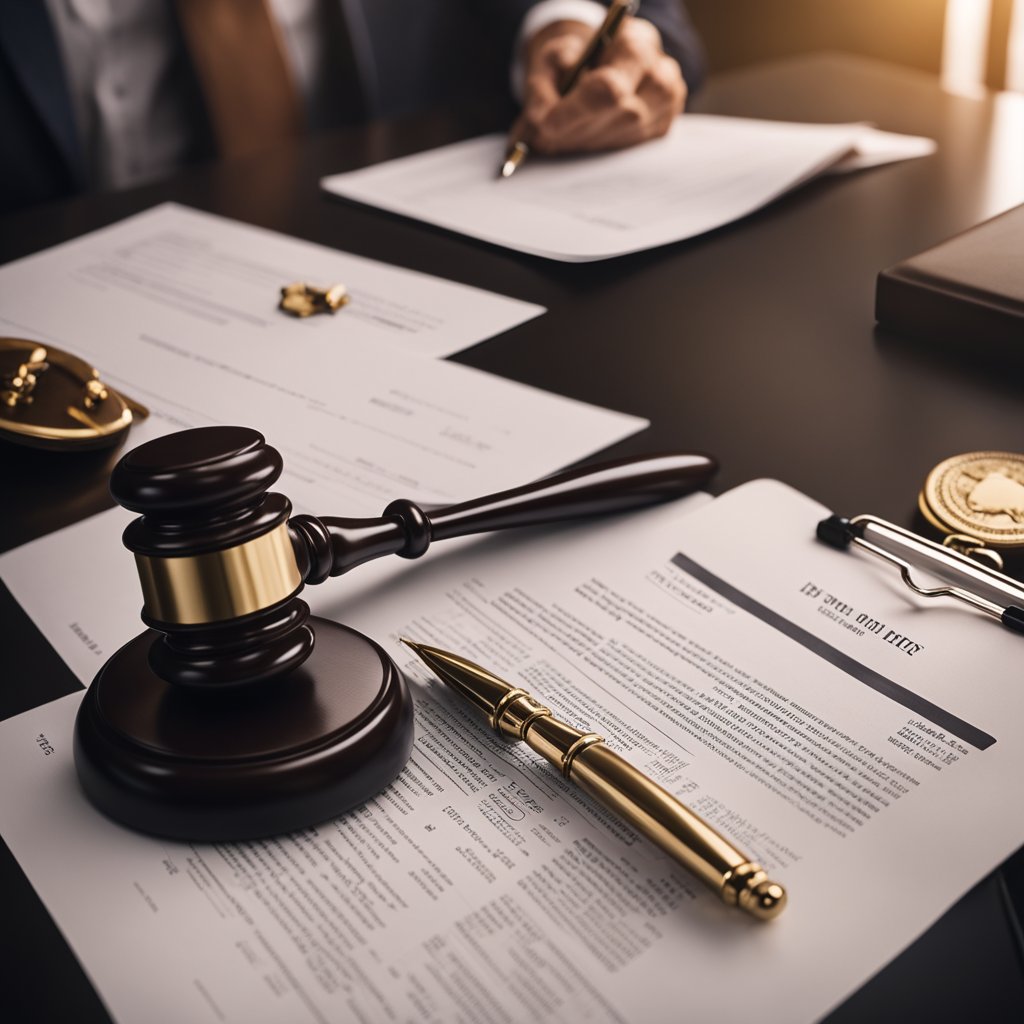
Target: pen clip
[839,532]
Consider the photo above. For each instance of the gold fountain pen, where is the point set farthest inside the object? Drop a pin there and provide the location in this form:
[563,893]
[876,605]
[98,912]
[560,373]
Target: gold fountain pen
[583,758]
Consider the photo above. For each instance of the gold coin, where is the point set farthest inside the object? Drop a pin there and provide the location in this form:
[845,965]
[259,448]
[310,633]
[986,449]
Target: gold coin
[980,494]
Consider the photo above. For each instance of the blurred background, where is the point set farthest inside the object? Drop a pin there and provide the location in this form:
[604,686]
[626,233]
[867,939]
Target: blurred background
[971,43]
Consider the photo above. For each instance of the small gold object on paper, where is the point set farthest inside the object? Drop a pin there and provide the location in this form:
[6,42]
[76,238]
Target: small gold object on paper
[301,299]
[977,497]
[52,399]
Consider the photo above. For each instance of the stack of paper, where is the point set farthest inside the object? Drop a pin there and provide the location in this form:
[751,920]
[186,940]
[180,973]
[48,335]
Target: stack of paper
[177,309]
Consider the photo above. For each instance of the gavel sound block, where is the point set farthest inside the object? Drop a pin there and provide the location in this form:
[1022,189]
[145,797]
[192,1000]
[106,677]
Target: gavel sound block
[237,714]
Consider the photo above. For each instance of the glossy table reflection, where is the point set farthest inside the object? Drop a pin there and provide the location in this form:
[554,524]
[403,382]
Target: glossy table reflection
[756,343]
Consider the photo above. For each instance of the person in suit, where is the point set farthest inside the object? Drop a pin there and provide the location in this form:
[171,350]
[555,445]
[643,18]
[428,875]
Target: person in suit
[113,93]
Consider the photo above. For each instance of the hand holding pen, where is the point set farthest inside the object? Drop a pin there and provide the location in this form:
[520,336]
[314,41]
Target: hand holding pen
[589,91]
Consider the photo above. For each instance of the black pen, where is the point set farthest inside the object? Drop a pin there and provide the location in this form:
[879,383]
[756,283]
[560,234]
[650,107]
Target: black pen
[618,10]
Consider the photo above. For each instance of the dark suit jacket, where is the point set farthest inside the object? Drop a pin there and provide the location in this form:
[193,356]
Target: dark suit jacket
[409,54]
[448,47]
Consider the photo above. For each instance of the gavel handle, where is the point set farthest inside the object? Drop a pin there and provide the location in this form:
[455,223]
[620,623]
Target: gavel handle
[331,546]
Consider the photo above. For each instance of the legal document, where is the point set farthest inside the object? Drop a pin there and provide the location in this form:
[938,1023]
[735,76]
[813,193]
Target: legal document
[176,310]
[707,172]
[801,699]
[176,270]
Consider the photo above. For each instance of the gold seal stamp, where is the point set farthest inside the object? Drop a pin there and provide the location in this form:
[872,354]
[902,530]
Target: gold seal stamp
[979,495]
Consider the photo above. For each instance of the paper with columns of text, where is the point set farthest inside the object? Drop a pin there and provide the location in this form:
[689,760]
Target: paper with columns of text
[173,271]
[799,698]
[707,172]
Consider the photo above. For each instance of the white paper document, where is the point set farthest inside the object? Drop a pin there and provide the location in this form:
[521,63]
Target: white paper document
[873,147]
[801,699]
[358,423]
[188,272]
[707,172]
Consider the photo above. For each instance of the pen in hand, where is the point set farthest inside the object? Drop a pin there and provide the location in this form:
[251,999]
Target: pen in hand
[615,783]
[519,149]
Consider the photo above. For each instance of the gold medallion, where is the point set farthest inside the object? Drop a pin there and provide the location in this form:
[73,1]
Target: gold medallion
[980,495]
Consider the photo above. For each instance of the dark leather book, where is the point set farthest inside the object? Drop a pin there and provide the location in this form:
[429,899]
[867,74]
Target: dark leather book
[965,293]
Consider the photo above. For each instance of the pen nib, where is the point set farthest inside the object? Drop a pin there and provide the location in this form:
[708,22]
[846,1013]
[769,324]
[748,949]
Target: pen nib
[513,158]
[480,687]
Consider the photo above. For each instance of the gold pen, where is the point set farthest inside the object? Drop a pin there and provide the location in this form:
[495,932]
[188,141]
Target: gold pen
[617,11]
[583,758]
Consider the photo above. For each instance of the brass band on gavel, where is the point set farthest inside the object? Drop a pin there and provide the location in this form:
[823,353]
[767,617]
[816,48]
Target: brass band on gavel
[217,585]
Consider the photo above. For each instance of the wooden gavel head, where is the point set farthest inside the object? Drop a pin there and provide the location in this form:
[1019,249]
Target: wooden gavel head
[219,569]
[238,714]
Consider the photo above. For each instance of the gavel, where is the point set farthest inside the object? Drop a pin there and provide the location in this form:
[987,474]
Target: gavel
[237,714]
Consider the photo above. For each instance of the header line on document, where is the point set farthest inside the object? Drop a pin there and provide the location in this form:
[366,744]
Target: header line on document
[869,677]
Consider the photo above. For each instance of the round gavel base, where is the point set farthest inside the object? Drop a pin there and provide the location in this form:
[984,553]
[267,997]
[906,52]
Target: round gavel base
[290,753]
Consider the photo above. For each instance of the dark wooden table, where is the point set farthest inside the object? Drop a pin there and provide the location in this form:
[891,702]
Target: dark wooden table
[756,343]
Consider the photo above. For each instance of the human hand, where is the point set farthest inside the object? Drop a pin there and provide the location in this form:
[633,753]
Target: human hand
[632,94]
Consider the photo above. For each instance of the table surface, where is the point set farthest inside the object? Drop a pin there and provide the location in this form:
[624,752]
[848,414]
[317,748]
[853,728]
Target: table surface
[756,343]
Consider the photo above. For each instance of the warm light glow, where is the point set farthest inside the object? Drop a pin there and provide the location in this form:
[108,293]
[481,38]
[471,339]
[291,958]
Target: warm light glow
[1004,181]
[1015,49]
[965,45]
